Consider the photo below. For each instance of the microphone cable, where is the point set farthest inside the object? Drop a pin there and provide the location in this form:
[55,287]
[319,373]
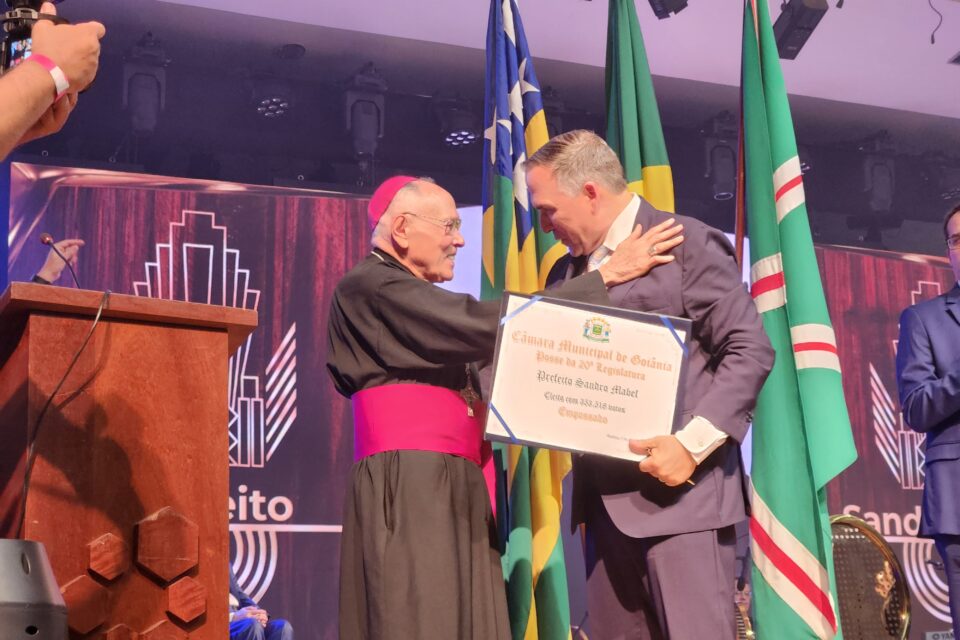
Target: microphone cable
[33,436]
[933,36]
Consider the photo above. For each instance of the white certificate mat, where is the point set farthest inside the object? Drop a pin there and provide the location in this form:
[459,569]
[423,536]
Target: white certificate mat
[584,378]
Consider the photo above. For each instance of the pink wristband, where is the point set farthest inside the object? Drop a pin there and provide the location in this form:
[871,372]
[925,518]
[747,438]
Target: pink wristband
[59,77]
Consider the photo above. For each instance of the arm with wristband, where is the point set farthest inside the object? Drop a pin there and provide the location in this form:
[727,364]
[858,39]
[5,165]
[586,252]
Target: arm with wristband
[37,96]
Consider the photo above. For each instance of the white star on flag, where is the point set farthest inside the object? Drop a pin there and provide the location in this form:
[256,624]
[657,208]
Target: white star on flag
[508,22]
[490,133]
[525,86]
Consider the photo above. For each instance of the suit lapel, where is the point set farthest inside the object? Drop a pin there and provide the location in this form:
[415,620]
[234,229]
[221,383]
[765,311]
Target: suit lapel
[644,217]
[577,266]
[564,269]
[953,303]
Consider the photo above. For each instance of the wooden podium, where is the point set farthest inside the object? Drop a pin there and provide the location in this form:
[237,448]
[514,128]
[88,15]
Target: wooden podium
[129,487]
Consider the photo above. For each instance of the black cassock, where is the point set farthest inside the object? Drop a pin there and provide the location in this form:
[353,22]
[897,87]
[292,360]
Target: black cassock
[419,555]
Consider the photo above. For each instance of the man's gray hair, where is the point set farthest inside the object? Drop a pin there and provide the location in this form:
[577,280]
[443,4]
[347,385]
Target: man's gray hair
[577,157]
[382,230]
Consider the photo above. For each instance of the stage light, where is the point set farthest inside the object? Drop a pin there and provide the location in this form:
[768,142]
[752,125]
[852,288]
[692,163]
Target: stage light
[879,188]
[722,168]
[272,96]
[459,124]
[950,184]
[365,106]
[663,8]
[878,182]
[795,24]
[145,84]
[720,144]
[879,171]
[30,602]
[941,174]
[553,109]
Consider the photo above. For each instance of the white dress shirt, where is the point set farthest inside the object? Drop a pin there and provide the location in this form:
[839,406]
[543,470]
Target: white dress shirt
[699,436]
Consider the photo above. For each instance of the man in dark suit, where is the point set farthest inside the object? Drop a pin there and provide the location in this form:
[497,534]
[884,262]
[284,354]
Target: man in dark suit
[660,550]
[249,622]
[928,378]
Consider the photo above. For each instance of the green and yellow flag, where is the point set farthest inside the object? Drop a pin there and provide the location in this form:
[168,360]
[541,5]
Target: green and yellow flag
[633,119]
[517,256]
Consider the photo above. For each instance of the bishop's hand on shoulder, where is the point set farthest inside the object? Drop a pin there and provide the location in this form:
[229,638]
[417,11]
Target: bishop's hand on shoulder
[641,252]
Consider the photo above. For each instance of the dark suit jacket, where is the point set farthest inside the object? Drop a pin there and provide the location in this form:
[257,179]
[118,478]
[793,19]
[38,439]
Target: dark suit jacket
[730,357]
[243,599]
[928,378]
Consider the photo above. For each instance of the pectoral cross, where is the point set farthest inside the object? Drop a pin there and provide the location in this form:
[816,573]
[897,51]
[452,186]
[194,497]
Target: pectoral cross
[468,393]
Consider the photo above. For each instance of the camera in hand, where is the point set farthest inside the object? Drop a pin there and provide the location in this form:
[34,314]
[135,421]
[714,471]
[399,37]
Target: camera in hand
[17,26]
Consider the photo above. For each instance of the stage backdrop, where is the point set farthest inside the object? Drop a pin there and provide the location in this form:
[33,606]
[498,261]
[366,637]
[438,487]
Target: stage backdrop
[281,252]
[866,291]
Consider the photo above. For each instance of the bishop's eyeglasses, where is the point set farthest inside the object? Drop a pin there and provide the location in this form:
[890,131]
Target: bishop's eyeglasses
[449,224]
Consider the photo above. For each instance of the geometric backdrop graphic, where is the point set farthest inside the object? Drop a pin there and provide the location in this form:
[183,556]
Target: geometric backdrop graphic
[900,446]
[254,560]
[195,264]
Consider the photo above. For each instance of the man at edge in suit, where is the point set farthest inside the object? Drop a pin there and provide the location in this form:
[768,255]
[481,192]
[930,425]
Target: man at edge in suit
[660,552]
[928,378]
[249,622]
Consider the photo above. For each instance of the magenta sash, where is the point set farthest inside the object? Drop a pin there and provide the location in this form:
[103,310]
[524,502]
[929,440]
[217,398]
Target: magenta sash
[399,417]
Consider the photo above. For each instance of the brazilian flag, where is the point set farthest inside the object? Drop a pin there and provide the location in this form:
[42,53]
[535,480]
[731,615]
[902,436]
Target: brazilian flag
[633,119]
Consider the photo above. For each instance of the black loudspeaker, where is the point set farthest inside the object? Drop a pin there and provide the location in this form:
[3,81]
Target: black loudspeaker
[31,607]
[795,25]
[663,8]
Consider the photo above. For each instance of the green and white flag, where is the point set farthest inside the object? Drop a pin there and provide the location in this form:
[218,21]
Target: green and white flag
[801,431]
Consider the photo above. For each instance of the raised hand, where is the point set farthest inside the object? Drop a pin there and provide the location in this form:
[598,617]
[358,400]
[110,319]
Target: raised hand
[641,252]
[53,266]
[75,48]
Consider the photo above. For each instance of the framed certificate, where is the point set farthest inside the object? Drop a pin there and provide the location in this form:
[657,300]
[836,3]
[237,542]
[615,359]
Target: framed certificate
[585,378]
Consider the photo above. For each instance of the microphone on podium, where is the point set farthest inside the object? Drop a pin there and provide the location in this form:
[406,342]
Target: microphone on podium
[47,239]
